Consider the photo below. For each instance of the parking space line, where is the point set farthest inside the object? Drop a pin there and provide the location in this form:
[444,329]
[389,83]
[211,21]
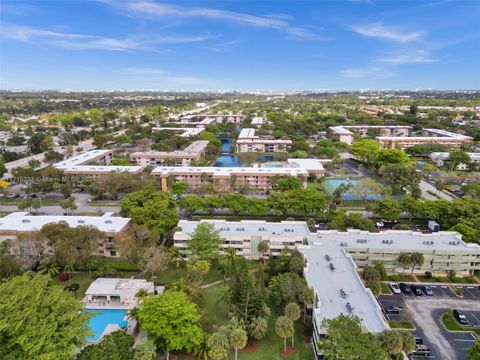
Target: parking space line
[473,315]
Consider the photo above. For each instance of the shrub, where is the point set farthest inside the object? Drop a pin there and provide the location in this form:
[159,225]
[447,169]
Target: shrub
[428,275]
[63,276]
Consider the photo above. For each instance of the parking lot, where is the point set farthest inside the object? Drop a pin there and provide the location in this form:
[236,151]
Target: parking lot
[426,312]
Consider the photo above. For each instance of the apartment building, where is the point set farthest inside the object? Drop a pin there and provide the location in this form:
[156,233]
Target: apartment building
[333,260]
[441,158]
[182,132]
[398,136]
[225,178]
[80,164]
[248,142]
[212,118]
[22,222]
[346,133]
[184,157]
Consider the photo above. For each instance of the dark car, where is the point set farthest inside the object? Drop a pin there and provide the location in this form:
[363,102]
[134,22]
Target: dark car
[460,316]
[406,288]
[331,267]
[393,309]
[421,350]
[417,291]
[418,341]
[427,290]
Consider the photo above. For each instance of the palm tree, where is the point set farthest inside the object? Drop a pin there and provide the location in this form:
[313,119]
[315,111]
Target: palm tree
[405,260]
[284,328]
[142,293]
[263,248]
[238,339]
[307,297]
[417,259]
[224,295]
[49,269]
[175,256]
[293,312]
[202,350]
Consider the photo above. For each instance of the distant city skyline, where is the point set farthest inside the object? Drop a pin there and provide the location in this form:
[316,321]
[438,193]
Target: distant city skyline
[243,46]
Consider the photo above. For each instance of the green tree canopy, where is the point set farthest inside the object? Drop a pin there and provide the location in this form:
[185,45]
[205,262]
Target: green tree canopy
[204,241]
[115,346]
[172,320]
[346,340]
[38,320]
[154,209]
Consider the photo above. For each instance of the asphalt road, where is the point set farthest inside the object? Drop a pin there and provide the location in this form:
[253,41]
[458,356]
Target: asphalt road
[425,186]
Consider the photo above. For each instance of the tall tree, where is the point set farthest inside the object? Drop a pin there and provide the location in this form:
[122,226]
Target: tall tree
[205,241]
[284,328]
[172,320]
[346,340]
[392,341]
[238,339]
[417,259]
[39,320]
[405,260]
[115,346]
[292,311]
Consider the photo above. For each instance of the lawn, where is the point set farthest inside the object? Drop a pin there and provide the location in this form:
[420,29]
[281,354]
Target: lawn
[386,289]
[401,324]
[269,348]
[81,278]
[45,202]
[398,277]
[172,274]
[449,322]
[104,203]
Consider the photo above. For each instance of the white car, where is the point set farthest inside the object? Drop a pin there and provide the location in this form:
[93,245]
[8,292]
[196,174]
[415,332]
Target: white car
[395,288]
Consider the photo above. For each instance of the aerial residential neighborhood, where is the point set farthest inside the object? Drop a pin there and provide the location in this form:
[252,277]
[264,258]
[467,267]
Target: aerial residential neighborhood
[269,180]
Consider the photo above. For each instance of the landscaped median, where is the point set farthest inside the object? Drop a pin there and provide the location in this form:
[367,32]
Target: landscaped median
[449,323]
[401,325]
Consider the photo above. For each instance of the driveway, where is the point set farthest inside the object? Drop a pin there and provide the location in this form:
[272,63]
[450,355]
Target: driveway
[426,315]
[425,186]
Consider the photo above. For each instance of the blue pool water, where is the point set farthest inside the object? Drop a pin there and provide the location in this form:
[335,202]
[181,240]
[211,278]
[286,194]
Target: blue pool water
[102,319]
[331,184]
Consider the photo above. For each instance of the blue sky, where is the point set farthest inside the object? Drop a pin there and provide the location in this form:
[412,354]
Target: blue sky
[239,45]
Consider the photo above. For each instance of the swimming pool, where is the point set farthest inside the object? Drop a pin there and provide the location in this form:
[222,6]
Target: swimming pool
[331,185]
[99,322]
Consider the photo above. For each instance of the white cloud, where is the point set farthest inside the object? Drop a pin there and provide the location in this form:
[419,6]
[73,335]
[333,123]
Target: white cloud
[161,10]
[416,57]
[368,72]
[85,42]
[380,31]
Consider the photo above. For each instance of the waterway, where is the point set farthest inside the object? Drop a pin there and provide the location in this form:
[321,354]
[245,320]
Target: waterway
[228,159]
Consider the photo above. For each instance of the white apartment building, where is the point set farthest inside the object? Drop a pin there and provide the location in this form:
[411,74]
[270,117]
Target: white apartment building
[79,165]
[184,157]
[248,142]
[182,132]
[440,158]
[346,133]
[22,222]
[212,118]
[348,252]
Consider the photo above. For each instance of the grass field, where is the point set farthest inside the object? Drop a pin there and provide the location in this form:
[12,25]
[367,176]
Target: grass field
[45,202]
[448,320]
[386,289]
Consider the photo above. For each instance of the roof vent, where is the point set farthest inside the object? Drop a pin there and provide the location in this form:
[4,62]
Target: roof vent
[81,221]
[25,221]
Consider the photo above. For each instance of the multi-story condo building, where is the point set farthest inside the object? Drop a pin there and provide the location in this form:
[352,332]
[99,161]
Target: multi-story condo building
[79,165]
[398,136]
[248,142]
[184,157]
[346,133]
[206,119]
[225,178]
[429,136]
[22,222]
[440,158]
[333,259]
[182,132]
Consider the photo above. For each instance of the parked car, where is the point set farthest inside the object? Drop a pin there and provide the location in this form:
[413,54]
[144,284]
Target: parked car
[460,316]
[393,309]
[331,266]
[406,288]
[427,290]
[394,287]
[417,291]
[421,350]
[418,341]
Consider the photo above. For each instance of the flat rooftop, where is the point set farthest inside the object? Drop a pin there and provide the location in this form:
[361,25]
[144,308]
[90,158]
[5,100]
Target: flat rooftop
[118,286]
[257,120]
[194,149]
[247,133]
[102,169]
[82,158]
[446,155]
[227,171]
[24,222]
[184,132]
[308,164]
